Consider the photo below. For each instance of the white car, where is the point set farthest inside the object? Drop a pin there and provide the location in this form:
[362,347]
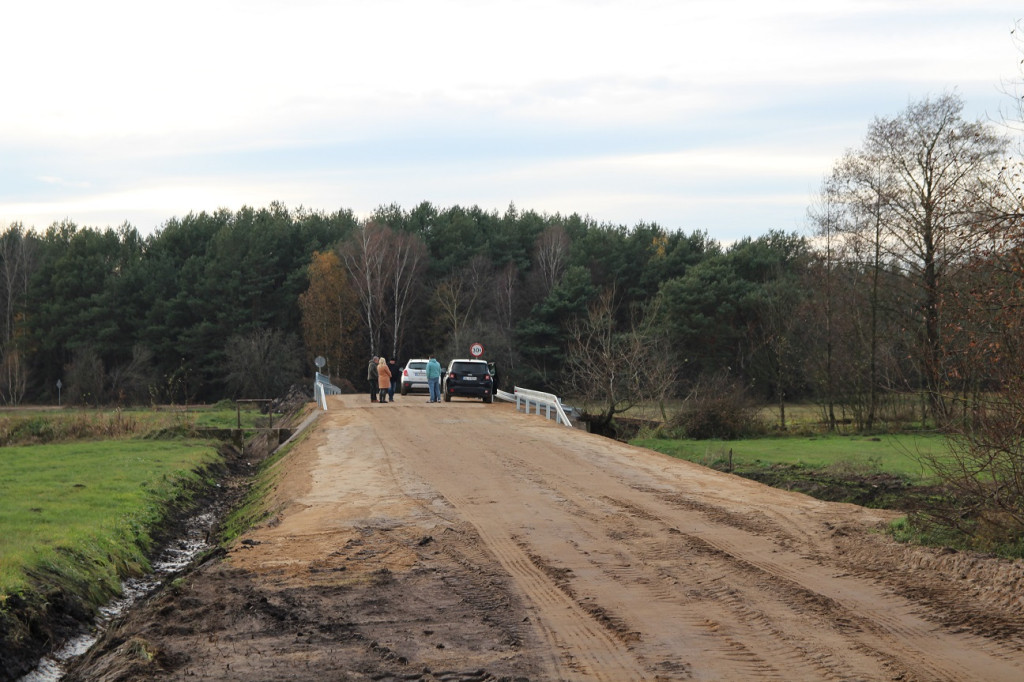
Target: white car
[414,376]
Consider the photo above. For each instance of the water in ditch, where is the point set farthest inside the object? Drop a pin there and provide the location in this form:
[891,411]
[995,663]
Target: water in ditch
[171,560]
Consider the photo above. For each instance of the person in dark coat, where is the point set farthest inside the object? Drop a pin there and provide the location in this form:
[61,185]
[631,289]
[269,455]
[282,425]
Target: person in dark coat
[495,380]
[371,377]
[396,376]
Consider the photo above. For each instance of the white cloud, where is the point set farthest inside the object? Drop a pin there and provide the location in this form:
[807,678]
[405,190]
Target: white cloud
[119,108]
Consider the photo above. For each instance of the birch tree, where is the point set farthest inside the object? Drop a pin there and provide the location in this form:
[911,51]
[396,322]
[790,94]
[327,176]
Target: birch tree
[16,261]
[406,262]
[365,255]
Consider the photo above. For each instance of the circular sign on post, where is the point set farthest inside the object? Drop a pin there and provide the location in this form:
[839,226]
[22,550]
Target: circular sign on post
[320,361]
[476,350]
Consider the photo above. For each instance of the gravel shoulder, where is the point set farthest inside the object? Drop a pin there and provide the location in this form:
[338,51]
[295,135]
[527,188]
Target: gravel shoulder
[463,541]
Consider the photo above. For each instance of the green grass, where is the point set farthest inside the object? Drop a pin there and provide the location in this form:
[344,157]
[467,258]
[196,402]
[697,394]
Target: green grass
[82,512]
[256,507]
[893,454]
[224,415]
[27,426]
[83,492]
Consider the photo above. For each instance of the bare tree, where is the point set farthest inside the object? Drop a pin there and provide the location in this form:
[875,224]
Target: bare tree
[506,300]
[86,377]
[16,264]
[984,468]
[779,331]
[612,370]
[505,291]
[551,254]
[825,217]
[452,299]
[386,268]
[456,300]
[262,364]
[365,256]
[132,382]
[983,471]
[13,376]
[859,193]
[922,179]
[407,260]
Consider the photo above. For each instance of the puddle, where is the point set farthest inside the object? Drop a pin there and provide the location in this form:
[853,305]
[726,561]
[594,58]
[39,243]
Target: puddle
[171,560]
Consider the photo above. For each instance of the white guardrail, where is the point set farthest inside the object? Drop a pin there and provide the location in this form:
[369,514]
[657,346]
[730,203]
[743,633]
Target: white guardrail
[322,387]
[536,401]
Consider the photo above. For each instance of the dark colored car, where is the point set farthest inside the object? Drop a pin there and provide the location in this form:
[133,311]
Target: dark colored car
[468,378]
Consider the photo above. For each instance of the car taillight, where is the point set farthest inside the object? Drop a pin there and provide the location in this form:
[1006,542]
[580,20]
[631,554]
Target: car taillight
[405,372]
[487,377]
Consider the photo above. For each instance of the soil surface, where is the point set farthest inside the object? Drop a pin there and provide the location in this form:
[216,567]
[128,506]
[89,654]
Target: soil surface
[461,541]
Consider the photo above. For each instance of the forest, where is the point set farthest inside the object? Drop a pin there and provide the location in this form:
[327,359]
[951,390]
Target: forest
[907,282]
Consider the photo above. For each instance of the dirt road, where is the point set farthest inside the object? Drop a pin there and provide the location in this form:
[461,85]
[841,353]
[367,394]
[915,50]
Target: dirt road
[462,541]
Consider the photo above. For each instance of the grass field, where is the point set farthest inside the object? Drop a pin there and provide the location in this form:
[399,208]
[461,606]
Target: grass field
[83,492]
[24,426]
[73,509]
[893,454]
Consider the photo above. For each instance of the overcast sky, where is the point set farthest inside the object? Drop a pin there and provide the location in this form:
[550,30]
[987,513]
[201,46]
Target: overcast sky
[716,115]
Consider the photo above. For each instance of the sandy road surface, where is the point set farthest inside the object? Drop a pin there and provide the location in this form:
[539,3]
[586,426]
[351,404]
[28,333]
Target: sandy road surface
[463,541]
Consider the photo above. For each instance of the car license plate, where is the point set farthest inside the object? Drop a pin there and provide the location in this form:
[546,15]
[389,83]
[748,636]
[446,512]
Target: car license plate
[469,377]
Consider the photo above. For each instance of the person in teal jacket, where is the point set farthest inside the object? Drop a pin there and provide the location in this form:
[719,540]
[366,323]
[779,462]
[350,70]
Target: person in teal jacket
[434,379]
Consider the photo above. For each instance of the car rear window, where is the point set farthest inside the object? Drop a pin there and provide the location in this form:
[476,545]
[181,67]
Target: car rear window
[417,365]
[469,368]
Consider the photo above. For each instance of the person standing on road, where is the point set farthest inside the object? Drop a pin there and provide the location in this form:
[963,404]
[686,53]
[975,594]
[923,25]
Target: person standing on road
[383,379]
[371,378]
[396,374]
[495,380]
[434,379]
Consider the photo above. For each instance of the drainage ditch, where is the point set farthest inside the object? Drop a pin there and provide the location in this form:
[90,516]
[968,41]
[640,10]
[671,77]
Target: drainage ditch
[170,561]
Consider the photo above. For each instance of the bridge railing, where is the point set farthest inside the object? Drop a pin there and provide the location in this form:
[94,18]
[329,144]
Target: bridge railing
[322,387]
[536,401]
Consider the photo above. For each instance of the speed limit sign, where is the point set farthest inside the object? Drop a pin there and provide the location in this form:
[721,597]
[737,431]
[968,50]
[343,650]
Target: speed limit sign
[476,350]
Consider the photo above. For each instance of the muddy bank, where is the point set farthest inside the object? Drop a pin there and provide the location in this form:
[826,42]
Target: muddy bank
[51,625]
[355,616]
[877,490]
[172,559]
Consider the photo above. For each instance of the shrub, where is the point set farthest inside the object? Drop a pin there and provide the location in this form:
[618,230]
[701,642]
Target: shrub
[717,407]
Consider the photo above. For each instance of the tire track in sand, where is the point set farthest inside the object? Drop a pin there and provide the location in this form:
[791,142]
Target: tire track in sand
[585,648]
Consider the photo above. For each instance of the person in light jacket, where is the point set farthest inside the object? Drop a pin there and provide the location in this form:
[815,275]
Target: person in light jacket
[434,379]
[383,379]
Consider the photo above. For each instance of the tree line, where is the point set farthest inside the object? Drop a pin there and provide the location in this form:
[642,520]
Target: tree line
[857,313]
[902,302]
